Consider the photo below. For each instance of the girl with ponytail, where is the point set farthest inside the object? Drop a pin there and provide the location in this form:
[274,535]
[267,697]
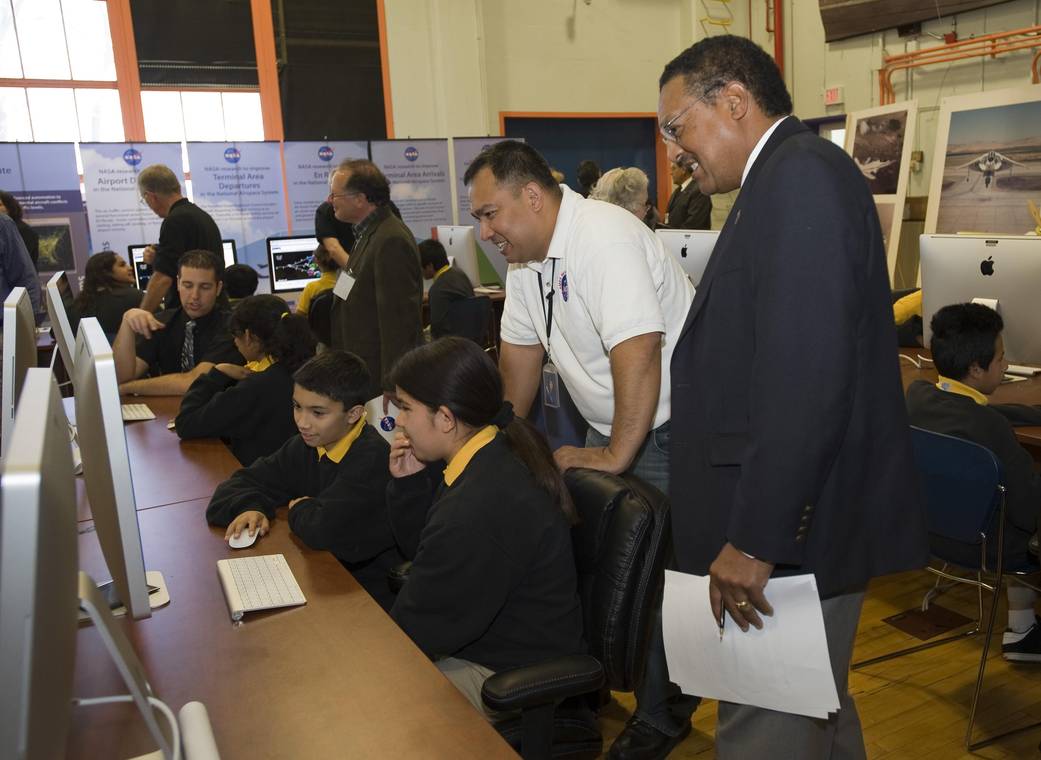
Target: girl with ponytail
[493,583]
[251,407]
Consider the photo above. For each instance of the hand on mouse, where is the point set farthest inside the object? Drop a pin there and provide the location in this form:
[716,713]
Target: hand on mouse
[251,521]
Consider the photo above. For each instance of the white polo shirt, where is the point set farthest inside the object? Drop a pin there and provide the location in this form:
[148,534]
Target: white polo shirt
[613,281]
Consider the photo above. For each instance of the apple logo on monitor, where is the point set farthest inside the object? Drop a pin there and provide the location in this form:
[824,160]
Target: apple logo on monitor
[987,266]
[683,251]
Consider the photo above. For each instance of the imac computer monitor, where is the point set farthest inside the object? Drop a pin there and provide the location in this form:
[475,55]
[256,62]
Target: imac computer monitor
[19,355]
[691,248]
[38,576]
[59,298]
[106,466]
[1006,269]
[143,271]
[291,262]
[460,244]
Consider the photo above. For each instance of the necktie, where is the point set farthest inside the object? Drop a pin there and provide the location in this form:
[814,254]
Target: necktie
[188,347]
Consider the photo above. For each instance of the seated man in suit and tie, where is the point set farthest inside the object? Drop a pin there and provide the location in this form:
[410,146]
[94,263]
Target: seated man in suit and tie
[689,208]
[450,285]
[162,354]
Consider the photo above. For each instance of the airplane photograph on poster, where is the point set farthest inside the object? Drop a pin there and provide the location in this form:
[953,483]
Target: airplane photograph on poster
[991,169]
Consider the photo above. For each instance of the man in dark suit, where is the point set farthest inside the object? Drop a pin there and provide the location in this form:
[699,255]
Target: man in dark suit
[689,208]
[376,310]
[790,444]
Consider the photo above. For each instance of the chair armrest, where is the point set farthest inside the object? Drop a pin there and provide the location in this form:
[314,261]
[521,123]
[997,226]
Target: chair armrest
[397,576]
[545,683]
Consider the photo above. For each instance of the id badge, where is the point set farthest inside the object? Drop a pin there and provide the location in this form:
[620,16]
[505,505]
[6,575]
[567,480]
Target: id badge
[343,286]
[550,387]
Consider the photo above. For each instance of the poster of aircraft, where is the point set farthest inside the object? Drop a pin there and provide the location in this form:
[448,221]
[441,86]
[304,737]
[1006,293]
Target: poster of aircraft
[987,164]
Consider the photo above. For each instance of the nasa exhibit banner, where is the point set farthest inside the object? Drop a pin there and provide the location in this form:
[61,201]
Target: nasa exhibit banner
[465,150]
[118,217]
[44,180]
[308,165]
[240,186]
[419,183]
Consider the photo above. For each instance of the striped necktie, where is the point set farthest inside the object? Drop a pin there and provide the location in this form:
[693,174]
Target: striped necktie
[188,346]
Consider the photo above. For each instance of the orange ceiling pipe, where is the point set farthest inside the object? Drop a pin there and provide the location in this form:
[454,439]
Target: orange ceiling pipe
[991,45]
[1035,68]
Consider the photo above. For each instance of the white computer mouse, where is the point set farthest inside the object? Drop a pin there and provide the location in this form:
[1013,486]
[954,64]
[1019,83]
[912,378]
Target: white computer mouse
[244,541]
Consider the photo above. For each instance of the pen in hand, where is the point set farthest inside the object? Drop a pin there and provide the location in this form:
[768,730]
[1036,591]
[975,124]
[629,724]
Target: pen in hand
[722,617]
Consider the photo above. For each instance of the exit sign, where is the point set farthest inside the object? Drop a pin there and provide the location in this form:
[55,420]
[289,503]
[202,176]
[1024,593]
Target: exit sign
[833,96]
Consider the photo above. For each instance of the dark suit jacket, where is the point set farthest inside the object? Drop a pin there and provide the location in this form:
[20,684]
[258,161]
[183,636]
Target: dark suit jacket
[381,318]
[789,433]
[689,209]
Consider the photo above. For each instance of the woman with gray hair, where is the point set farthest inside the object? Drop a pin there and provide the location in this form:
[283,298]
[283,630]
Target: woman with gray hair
[625,187]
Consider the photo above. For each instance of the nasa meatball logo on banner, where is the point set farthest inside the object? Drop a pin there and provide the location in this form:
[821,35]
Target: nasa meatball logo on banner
[132,156]
[411,154]
[232,155]
[325,153]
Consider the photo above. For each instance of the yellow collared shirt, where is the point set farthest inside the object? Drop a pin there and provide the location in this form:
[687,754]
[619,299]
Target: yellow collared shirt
[462,458]
[260,364]
[339,450]
[442,270]
[953,386]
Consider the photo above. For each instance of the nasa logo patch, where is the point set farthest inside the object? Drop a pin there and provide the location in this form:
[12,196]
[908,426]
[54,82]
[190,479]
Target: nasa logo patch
[387,424]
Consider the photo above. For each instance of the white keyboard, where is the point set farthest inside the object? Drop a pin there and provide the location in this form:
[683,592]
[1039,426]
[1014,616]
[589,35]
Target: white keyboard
[136,412]
[1020,369]
[258,583]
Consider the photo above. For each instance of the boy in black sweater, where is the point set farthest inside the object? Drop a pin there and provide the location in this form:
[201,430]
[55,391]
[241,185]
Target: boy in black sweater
[332,477]
[969,355]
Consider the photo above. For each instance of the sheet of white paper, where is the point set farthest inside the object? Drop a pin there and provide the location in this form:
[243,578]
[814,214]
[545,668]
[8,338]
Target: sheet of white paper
[784,666]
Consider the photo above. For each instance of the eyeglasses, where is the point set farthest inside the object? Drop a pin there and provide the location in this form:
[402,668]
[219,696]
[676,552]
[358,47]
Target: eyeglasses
[669,131]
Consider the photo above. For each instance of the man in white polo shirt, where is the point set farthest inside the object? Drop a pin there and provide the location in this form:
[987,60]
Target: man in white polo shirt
[593,299]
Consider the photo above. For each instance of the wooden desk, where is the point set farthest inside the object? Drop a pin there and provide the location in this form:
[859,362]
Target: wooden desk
[334,678]
[165,469]
[1024,392]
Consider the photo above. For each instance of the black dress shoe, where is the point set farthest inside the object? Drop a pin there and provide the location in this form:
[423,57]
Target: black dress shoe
[642,741]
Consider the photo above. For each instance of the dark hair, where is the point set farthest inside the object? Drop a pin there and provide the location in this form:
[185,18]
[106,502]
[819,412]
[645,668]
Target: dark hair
[964,334]
[366,178]
[339,375]
[455,373]
[240,280]
[14,208]
[97,278]
[200,259]
[285,336]
[324,259]
[712,63]
[515,164]
[588,173]
[433,253]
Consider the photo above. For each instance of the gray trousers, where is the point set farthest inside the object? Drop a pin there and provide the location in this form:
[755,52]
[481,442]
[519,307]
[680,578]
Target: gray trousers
[743,731]
[469,677]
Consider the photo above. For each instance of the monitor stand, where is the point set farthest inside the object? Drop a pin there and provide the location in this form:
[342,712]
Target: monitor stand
[95,606]
[158,595]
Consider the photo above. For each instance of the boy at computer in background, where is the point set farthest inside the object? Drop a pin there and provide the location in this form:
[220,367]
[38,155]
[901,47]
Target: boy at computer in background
[332,477]
[326,282]
[179,344]
[240,281]
[969,355]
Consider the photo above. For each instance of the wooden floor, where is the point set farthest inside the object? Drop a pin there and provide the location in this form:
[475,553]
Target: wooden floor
[914,707]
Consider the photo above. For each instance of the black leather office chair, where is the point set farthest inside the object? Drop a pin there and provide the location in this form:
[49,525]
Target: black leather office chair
[620,550]
[468,318]
[319,317]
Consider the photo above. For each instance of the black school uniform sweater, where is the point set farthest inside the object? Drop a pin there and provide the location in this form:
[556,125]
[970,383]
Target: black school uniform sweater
[346,513]
[493,577]
[254,415]
[990,426]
